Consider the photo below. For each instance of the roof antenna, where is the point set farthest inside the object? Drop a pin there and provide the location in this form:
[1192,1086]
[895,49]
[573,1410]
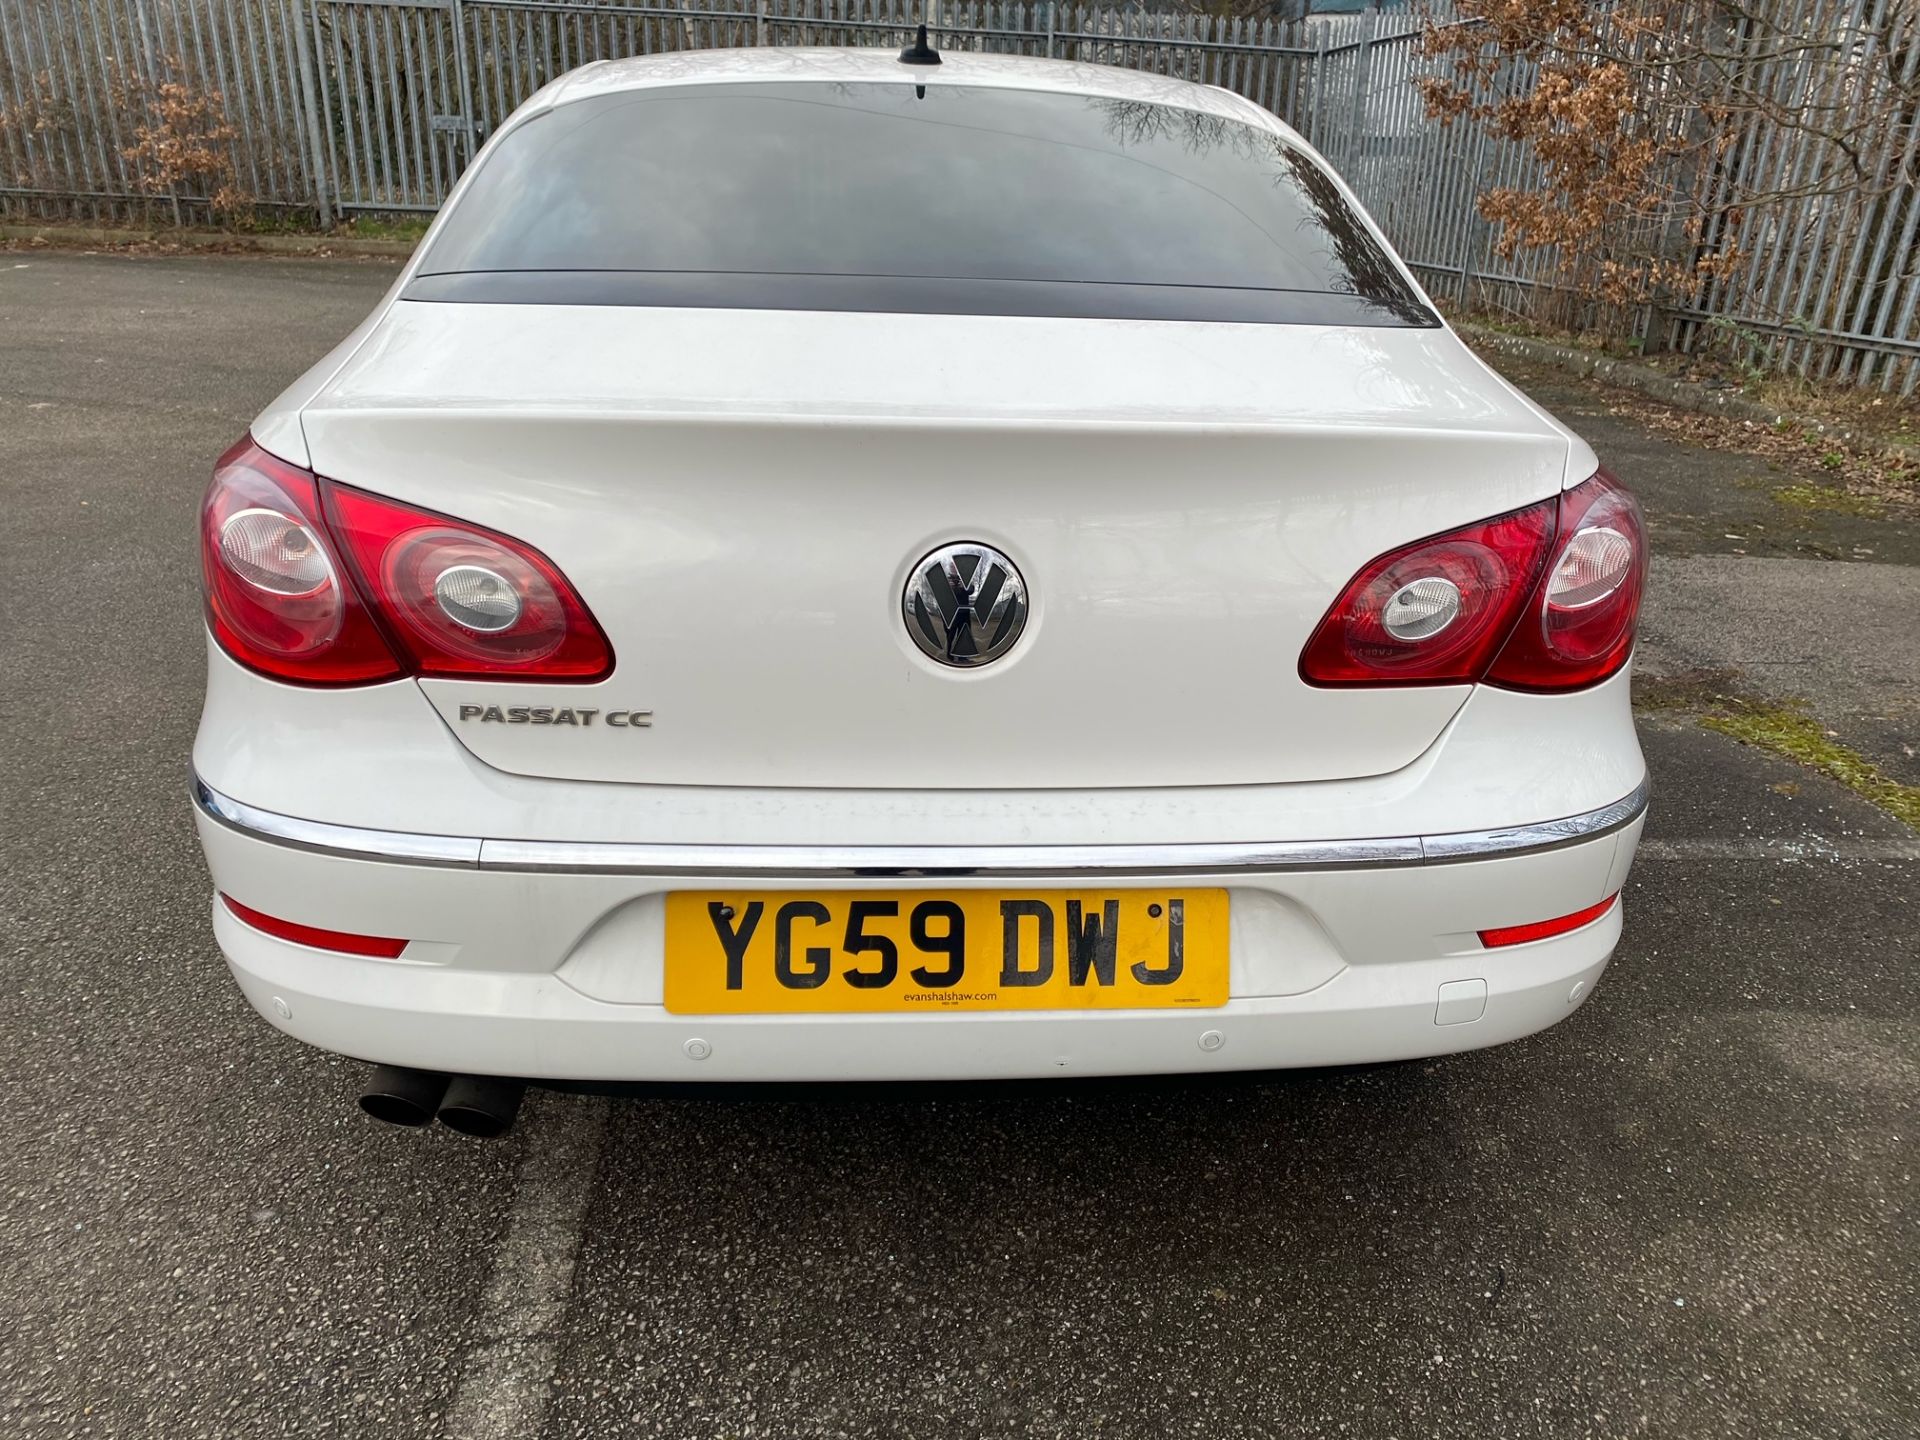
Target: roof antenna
[920,52]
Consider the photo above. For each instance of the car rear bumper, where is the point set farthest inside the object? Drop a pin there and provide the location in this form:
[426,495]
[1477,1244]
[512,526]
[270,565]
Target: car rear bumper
[544,960]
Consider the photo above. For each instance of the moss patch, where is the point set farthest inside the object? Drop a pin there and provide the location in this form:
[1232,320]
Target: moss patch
[1683,690]
[1829,499]
[369,227]
[1791,732]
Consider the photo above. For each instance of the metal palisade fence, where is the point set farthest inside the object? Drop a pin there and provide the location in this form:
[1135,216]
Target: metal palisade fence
[344,106]
[315,110]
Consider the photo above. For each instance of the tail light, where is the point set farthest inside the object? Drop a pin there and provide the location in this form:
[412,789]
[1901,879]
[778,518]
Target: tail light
[1578,628]
[1543,598]
[1434,612]
[319,584]
[466,601]
[277,597]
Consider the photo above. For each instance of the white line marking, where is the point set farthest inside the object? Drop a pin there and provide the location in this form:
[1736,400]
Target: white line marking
[506,1379]
[1807,848]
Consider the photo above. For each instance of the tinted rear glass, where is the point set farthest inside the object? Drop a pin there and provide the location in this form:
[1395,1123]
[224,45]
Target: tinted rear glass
[872,196]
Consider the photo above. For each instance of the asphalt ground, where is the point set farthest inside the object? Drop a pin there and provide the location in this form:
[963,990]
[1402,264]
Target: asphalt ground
[1687,1210]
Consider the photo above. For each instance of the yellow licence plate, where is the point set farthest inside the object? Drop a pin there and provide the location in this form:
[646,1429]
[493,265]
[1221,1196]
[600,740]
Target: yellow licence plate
[822,951]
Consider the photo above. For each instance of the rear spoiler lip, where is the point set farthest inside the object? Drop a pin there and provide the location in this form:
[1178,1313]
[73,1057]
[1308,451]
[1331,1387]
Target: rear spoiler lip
[918,295]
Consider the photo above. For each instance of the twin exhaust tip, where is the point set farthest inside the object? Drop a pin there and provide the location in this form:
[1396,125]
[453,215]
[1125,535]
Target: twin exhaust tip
[483,1106]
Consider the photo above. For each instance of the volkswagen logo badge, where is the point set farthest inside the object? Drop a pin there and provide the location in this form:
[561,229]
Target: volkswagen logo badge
[965,604]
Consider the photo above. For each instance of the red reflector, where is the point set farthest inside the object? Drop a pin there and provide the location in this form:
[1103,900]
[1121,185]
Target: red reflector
[313,935]
[1545,929]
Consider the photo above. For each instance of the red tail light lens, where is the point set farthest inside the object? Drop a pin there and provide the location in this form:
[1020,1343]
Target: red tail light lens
[1543,598]
[319,584]
[464,601]
[277,599]
[1433,612]
[1578,628]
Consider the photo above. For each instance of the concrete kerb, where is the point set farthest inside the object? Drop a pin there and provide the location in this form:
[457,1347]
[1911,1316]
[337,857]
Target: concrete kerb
[68,237]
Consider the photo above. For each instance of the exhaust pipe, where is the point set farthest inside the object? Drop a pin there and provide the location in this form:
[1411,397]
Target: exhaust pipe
[483,1106]
[401,1096]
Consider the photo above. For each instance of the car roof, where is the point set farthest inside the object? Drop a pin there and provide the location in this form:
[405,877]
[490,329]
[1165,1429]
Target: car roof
[764,64]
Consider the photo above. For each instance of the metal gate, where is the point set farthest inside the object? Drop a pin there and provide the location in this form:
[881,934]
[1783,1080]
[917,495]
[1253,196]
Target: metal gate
[396,110]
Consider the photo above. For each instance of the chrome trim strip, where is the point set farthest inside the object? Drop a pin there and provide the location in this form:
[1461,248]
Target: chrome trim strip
[325,839]
[1547,835]
[892,862]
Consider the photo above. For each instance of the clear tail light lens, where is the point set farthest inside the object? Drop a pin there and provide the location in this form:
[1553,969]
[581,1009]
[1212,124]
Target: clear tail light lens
[274,553]
[277,600]
[464,601]
[320,584]
[1543,598]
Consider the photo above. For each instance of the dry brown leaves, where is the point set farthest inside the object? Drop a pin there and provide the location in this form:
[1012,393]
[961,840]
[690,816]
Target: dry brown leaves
[1855,469]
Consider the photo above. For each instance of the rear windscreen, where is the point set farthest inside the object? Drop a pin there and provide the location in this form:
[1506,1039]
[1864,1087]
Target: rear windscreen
[885,196]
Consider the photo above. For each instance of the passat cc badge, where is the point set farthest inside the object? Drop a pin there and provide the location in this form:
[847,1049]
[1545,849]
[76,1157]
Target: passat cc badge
[965,604]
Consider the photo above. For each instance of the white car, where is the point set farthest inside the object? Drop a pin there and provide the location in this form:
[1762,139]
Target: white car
[830,565]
